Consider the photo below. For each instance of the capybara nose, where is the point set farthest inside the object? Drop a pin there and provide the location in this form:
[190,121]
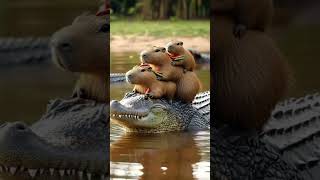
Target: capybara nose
[144,56]
[65,46]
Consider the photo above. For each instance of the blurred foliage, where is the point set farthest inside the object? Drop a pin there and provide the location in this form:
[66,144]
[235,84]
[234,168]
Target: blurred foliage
[161,9]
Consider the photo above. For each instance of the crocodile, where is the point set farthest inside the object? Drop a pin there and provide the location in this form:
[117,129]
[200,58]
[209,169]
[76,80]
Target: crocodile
[136,114]
[287,145]
[71,140]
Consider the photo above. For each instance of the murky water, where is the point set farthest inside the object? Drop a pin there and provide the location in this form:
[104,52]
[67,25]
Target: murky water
[163,156]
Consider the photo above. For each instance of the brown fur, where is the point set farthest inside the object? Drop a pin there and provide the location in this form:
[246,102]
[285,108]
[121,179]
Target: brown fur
[175,48]
[188,84]
[250,75]
[253,14]
[87,54]
[144,78]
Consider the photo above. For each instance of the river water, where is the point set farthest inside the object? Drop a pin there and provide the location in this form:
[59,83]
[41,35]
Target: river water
[163,156]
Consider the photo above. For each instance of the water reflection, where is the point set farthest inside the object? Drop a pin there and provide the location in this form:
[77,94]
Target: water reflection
[161,156]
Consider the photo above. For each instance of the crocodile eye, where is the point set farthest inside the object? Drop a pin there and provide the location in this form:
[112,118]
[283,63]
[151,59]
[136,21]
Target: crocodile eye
[104,28]
[143,70]
[157,50]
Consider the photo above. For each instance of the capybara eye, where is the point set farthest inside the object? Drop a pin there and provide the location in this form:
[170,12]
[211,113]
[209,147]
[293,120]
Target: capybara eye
[143,70]
[105,28]
[157,50]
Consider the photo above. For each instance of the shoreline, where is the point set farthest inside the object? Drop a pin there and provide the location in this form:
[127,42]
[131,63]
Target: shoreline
[132,43]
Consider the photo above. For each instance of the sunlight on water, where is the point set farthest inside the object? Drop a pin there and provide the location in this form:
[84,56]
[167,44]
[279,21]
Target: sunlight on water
[201,170]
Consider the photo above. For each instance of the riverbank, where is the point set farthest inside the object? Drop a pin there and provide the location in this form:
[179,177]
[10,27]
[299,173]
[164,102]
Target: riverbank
[132,43]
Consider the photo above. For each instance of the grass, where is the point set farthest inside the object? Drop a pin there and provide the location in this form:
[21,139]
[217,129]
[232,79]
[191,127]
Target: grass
[167,28]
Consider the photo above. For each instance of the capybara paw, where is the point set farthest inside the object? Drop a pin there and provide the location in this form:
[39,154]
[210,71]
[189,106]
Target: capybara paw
[148,96]
[239,30]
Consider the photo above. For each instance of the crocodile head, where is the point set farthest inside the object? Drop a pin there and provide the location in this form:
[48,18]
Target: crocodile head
[136,114]
[70,140]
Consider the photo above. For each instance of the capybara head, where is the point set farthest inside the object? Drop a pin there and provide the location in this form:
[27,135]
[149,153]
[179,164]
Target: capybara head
[83,46]
[140,74]
[155,56]
[175,48]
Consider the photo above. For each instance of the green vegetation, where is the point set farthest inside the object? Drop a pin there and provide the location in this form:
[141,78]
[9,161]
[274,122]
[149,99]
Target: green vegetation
[162,9]
[161,28]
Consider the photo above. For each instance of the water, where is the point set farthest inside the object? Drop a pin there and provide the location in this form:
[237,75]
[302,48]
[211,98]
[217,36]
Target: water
[163,156]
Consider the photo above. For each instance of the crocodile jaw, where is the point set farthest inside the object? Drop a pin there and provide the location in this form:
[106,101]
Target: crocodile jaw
[137,118]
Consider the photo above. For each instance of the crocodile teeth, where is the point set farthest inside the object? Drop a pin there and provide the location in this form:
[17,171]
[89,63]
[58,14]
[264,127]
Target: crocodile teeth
[51,171]
[61,172]
[1,169]
[13,170]
[68,171]
[120,116]
[32,172]
[73,172]
[41,171]
[80,174]
[89,176]
[5,168]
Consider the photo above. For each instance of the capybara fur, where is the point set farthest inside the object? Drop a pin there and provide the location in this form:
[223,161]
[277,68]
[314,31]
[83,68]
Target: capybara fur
[250,76]
[247,14]
[83,47]
[180,56]
[188,84]
[145,81]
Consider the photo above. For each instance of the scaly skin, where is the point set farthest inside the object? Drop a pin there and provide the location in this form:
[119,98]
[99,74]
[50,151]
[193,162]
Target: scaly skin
[75,130]
[136,114]
[70,140]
